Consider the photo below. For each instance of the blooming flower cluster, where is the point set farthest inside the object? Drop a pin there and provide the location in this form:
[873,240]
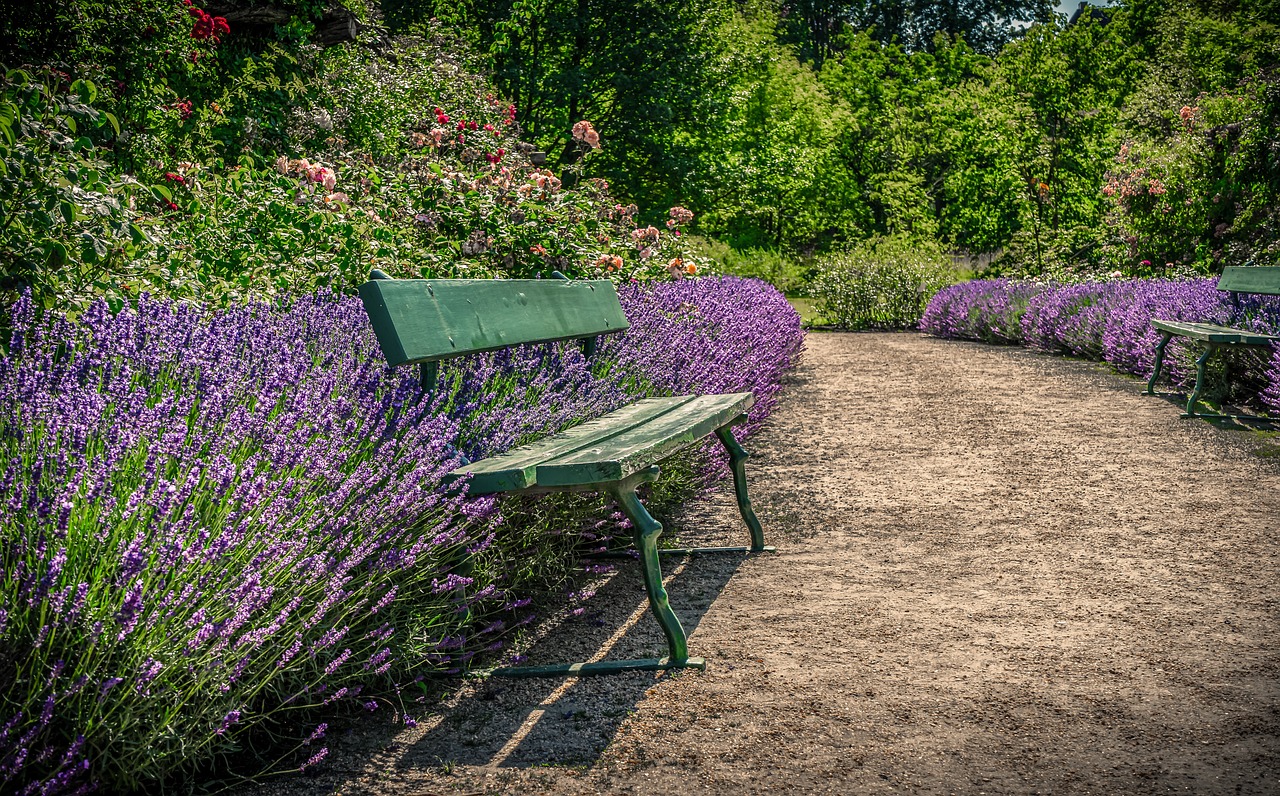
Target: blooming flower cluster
[583,132]
[314,172]
[679,217]
[242,511]
[1109,321]
[207,26]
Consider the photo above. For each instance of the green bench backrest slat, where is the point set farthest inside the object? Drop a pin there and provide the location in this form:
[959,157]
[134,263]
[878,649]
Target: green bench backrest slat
[1251,279]
[423,320]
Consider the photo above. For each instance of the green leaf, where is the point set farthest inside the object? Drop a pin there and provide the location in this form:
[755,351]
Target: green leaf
[86,90]
[92,249]
[68,212]
[162,192]
[111,119]
[57,254]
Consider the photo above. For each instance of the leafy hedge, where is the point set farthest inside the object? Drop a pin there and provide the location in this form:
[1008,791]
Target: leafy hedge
[884,283]
[460,200]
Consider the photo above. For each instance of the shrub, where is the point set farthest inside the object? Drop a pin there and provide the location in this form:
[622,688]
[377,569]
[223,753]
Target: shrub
[885,283]
[450,193]
[989,310]
[217,519]
[785,272]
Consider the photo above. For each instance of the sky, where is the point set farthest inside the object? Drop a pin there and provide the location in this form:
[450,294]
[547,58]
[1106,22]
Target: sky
[1068,7]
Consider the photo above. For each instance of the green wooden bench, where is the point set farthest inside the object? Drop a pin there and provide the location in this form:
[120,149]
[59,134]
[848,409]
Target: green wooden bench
[424,321]
[1264,280]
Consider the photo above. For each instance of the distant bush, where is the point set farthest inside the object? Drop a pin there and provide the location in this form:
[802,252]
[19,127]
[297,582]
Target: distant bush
[884,283]
[787,273]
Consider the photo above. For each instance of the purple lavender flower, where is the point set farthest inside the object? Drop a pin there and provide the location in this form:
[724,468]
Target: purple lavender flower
[1110,321]
[193,499]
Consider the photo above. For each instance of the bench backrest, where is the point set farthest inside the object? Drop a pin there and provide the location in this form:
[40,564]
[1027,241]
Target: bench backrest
[427,320]
[1251,279]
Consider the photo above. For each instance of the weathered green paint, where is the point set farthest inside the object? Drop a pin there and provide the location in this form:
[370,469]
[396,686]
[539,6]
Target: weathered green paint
[1247,279]
[428,374]
[424,321]
[737,462]
[420,320]
[1213,333]
[1251,279]
[1200,368]
[685,551]
[646,532]
[515,469]
[1166,336]
[619,456]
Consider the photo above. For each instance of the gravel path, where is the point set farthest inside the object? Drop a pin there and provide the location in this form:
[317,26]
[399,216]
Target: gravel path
[998,572]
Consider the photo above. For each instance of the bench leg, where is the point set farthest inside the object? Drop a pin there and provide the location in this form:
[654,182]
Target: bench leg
[1200,368]
[737,461]
[647,531]
[1155,374]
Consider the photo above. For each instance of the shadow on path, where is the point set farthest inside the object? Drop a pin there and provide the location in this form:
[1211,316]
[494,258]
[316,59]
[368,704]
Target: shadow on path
[514,722]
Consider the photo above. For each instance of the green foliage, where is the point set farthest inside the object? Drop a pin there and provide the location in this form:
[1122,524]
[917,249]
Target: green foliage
[882,283]
[637,70]
[66,226]
[1195,184]
[915,24]
[411,166]
[785,272]
[772,175]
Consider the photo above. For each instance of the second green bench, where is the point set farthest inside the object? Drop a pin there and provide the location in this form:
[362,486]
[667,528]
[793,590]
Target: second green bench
[1237,280]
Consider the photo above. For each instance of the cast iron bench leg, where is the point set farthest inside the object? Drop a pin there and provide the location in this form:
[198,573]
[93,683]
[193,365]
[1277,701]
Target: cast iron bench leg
[647,531]
[1164,341]
[737,461]
[1200,368]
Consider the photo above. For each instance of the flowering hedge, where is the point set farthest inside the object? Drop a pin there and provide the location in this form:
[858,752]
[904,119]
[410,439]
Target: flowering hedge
[1111,321]
[215,519]
[452,192]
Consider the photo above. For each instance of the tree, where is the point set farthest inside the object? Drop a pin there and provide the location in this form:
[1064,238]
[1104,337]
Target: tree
[637,70]
[985,25]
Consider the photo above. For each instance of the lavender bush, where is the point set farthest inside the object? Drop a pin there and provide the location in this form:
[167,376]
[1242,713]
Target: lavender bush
[987,310]
[1111,321]
[216,520]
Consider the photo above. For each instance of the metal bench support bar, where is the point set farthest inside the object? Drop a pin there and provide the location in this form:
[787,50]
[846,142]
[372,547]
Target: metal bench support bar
[647,530]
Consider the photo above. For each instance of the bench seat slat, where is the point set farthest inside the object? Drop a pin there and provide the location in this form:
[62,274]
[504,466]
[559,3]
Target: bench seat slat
[1213,333]
[515,469]
[619,456]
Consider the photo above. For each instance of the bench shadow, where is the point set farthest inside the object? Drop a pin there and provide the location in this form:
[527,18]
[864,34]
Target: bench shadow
[520,723]
[1239,417]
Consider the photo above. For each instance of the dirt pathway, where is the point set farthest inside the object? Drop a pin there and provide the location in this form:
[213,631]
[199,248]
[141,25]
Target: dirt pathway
[998,572]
